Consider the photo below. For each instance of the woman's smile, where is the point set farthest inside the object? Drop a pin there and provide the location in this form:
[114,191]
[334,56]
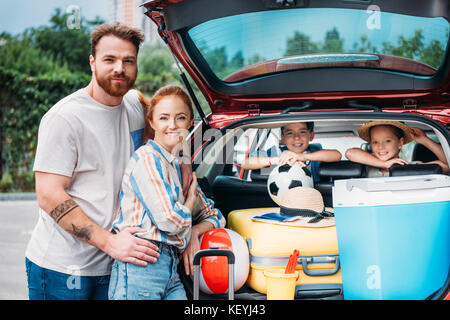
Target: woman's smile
[171,121]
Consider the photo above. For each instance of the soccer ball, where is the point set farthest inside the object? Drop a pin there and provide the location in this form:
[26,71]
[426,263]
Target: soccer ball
[285,177]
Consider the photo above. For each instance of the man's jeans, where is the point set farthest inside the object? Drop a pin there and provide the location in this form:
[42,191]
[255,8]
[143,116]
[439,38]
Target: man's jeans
[156,281]
[45,284]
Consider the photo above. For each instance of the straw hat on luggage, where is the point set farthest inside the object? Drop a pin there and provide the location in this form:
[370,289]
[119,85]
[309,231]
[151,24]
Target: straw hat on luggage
[306,203]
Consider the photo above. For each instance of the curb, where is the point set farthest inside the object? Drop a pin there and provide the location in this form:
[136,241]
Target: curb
[17,196]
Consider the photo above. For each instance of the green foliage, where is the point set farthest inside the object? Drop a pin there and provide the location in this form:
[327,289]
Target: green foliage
[6,182]
[411,48]
[299,43]
[432,55]
[414,48]
[20,56]
[62,44]
[333,42]
[156,59]
[364,45]
[237,62]
[39,67]
[157,68]
[23,102]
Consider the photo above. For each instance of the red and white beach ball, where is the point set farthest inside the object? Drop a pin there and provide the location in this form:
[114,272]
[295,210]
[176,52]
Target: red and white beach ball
[214,270]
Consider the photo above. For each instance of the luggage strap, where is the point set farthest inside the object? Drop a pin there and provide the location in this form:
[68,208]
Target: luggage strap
[317,216]
[304,261]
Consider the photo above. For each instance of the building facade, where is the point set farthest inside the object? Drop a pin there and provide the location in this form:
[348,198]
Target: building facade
[131,13]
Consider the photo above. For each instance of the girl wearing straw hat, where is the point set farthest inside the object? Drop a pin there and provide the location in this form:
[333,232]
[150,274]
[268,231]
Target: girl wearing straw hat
[386,139]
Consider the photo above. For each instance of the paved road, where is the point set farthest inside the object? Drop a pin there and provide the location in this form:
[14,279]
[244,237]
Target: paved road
[17,220]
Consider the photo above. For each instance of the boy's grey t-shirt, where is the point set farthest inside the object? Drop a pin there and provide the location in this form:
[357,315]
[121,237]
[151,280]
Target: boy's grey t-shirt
[91,143]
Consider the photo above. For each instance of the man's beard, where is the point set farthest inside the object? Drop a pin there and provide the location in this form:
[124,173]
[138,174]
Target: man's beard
[116,89]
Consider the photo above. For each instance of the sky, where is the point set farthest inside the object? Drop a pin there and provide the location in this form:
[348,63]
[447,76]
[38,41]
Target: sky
[17,15]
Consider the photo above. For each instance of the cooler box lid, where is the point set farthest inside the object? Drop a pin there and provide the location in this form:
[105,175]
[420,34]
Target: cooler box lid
[391,190]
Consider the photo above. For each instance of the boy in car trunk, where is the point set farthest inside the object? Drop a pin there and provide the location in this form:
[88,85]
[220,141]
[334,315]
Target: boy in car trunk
[297,150]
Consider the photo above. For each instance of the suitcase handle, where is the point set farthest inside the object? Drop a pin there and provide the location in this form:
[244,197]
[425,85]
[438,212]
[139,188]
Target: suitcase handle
[214,252]
[320,272]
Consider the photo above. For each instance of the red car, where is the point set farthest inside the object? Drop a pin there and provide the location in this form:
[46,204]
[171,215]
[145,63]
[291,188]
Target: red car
[261,64]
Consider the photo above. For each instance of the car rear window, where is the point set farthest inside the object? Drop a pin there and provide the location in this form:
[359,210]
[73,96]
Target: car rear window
[259,43]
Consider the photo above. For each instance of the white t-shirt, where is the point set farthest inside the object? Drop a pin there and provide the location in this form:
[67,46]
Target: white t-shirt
[91,143]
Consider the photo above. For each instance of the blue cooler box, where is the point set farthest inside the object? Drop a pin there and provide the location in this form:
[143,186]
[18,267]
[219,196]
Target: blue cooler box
[393,236]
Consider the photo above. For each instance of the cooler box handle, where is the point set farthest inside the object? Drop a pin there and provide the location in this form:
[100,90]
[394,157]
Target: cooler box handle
[319,272]
[214,252]
[399,185]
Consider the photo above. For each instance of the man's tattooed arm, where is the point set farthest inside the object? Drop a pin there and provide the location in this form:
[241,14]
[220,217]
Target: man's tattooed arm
[81,232]
[62,209]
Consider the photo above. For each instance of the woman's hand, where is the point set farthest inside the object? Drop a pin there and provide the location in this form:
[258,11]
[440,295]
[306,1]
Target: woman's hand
[189,252]
[186,177]
[194,245]
[191,196]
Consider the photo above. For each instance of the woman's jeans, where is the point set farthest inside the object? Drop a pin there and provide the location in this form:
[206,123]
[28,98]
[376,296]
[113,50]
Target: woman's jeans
[156,281]
[45,284]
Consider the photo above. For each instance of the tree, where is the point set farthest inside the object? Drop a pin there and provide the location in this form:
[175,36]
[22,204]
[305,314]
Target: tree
[300,44]
[364,45]
[333,42]
[218,61]
[155,59]
[237,62]
[38,68]
[432,55]
[407,48]
[156,68]
[62,44]
[255,59]
[20,55]
[414,48]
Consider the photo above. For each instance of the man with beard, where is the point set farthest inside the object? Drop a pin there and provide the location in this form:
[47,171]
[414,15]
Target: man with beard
[84,144]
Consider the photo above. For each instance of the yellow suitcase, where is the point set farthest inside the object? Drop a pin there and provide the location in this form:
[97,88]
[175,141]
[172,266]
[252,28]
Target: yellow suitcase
[271,243]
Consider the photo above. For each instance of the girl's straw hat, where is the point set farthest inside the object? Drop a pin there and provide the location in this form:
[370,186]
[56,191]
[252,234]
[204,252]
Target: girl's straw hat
[364,131]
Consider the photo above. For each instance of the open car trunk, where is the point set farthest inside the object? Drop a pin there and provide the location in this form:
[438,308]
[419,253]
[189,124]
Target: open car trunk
[408,200]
